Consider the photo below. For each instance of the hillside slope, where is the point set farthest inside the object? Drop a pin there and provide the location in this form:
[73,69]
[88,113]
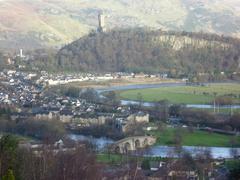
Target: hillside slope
[35,23]
[143,50]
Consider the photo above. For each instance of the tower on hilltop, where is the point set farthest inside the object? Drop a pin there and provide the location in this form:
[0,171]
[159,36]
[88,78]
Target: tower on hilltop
[101,22]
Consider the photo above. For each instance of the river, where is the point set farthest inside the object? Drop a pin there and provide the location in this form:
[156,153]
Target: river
[197,106]
[100,143]
[158,150]
[163,151]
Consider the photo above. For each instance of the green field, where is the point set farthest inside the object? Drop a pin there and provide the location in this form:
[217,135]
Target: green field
[110,158]
[184,94]
[120,158]
[195,138]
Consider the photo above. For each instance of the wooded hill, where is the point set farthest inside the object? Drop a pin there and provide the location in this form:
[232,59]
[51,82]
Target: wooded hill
[143,50]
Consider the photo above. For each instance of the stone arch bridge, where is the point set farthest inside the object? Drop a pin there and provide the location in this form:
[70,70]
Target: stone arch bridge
[133,143]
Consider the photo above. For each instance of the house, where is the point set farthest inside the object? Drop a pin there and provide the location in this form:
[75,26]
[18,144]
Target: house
[14,116]
[174,120]
[44,114]
[59,144]
[124,122]
[169,172]
[87,120]
[66,116]
[139,117]
[11,72]
[193,175]
[156,165]
[164,76]
[150,128]
[19,115]
[160,174]
[179,170]
[219,161]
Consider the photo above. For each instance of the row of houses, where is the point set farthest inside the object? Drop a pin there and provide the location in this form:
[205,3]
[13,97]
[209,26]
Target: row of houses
[86,115]
[21,90]
[18,87]
[120,121]
[60,79]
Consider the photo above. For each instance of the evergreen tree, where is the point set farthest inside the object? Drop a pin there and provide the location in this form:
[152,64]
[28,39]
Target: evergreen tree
[9,175]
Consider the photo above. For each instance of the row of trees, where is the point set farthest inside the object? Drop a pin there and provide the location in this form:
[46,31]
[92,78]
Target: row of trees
[48,131]
[195,117]
[23,164]
[208,119]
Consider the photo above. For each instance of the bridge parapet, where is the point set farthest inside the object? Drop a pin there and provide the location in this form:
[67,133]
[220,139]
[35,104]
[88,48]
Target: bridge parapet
[133,143]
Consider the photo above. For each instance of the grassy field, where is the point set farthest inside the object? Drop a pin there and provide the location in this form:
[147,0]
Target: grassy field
[185,94]
[119,82]
[196,138]
[119,158]
[110,158]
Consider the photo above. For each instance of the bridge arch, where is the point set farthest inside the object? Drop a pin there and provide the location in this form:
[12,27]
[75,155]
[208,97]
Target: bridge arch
[117,149]
[133,143]
[127,146]
[145,142]
[137,144]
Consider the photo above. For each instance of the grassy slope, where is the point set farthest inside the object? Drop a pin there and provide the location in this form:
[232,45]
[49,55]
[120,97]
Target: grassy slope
[197,138]
[187,94]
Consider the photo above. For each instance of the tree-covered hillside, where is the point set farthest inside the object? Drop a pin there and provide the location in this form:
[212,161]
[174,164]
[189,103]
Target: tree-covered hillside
[143,50]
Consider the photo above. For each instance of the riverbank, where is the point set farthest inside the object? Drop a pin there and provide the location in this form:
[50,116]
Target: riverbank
[156,150]
[167,137]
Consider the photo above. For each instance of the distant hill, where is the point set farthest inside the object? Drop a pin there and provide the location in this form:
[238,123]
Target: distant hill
[144,50]
[41,23]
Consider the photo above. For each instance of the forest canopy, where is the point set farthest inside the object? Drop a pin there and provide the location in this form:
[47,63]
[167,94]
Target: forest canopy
[151,51]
